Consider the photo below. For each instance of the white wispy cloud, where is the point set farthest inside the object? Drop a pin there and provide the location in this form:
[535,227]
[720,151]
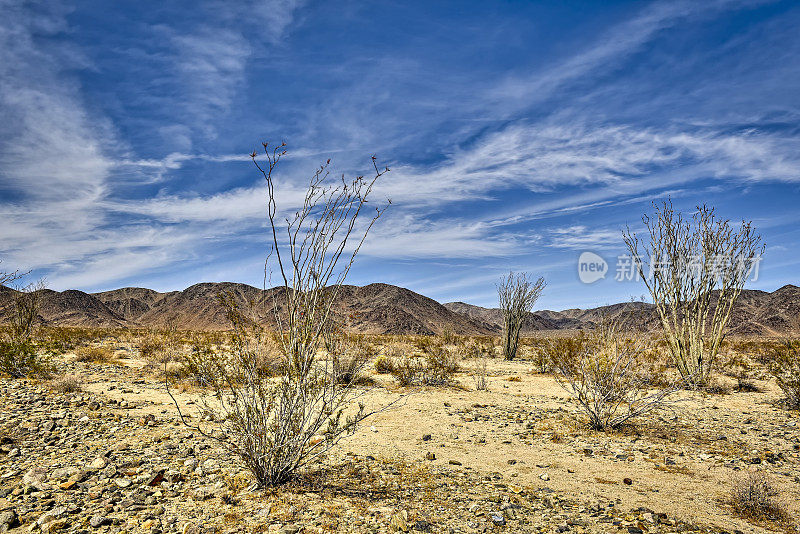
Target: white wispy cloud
[584,238]
[608,50]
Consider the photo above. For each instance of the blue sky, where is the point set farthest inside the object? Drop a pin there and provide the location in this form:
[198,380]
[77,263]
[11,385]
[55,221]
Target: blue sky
[519,134]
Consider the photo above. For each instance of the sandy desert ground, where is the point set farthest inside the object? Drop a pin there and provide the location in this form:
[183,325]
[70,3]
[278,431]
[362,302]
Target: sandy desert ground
[113,457]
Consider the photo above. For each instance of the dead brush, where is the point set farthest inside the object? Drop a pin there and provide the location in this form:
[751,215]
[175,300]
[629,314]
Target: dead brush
[784,365]
[349,361]
[98,354]
[434,368]
[754,497]
[384,364]
[604,373]
[66,384]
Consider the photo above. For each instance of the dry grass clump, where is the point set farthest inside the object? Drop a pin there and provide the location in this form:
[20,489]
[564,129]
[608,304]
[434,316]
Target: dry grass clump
[384,364]
[66,384]
[95,354]
[785,367]
[349,360]
[754,497]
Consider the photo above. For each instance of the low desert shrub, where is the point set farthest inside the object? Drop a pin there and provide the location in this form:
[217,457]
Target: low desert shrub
[540,357]
[603,372]
[152,347]
[20,354]
[23,359]
[66,384]
[715,386]
[434,368]
[440,366]
[407,370]
[349,360]
[384,364]
[785,367]
[448,337]
[753,496]
[480,374]
[95,354]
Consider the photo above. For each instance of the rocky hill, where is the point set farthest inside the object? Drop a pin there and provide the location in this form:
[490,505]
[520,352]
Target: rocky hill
[375,309]
[755,313]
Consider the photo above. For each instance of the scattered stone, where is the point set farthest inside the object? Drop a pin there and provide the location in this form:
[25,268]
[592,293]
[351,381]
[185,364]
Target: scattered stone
[98,521]
[430,455]
[8,520]
[399,522]
[497,518]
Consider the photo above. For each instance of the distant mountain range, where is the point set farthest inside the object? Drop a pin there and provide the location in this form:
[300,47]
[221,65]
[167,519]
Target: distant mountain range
[375,309]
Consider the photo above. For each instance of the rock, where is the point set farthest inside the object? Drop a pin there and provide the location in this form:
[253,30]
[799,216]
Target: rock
[422,526]
[13,453]
[8,520]
[154,479]
[122,482]
[98,463]
[98,521]
[627,481]
[544,476]
[290,529]
[426,437]
[430,456]
[203,493]
[454,462]
[210,466]
[53,526]
[497,518]
[399,522]
[35,479]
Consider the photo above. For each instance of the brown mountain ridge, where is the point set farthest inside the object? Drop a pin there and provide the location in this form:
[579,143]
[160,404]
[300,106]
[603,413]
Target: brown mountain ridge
[375,309]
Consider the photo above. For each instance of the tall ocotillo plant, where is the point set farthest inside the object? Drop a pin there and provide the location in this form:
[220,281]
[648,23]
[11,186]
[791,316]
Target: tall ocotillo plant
[694,268]
[517,294]
[279,424]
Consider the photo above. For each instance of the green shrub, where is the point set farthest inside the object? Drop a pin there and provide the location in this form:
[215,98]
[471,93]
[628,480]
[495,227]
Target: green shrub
[22,359]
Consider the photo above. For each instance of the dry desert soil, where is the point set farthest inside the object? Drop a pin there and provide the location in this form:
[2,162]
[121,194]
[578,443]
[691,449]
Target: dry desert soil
[113,457]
